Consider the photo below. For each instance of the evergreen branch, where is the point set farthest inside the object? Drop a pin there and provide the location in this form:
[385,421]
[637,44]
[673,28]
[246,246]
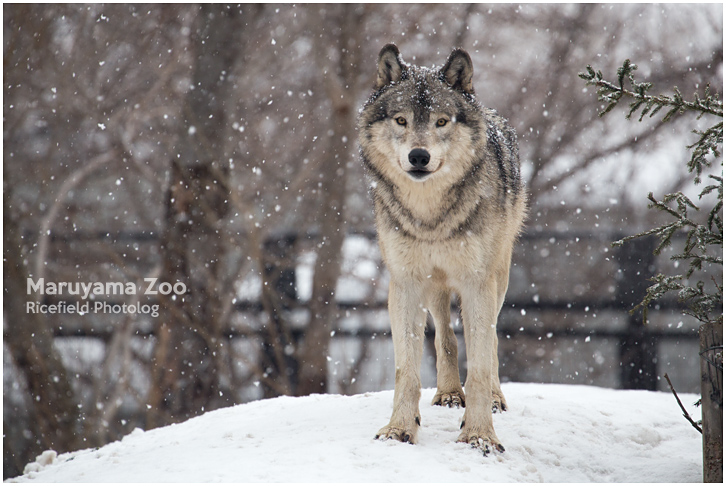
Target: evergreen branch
[708,143]
[714,217]
[612,94]
[703,305]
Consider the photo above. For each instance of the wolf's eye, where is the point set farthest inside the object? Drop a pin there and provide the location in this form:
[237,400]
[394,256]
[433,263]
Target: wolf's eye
[401,121]
[441,122]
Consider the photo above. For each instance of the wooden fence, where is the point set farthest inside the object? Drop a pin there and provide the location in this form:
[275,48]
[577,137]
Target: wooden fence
[565,318]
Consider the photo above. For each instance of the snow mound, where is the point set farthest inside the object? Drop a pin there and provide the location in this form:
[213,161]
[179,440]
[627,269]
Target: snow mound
[553,433]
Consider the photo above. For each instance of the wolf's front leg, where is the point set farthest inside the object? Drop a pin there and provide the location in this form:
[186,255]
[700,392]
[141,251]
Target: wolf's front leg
[408,318]
[479,310]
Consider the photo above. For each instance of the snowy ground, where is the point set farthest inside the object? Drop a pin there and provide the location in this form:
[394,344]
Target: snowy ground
[553,433]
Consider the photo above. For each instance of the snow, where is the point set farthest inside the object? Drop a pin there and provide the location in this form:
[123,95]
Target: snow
[553,433]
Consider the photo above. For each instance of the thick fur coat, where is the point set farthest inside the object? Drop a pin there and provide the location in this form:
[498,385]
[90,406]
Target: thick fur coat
[449,203]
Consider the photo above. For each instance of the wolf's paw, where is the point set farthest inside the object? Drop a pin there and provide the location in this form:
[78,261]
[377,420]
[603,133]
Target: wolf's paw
[499,404]
[452,399]
[484,442]
[401,434]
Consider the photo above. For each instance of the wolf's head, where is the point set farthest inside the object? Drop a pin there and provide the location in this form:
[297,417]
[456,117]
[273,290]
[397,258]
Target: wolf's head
[420,122]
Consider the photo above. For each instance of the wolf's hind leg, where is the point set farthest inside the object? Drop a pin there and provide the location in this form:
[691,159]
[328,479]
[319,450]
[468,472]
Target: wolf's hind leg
[499,403]
[448,383]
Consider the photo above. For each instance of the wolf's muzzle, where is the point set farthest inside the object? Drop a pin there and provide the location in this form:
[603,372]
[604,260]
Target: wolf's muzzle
[419,158]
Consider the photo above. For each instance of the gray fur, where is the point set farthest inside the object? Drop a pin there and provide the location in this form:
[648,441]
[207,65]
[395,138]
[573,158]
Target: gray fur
[446,224]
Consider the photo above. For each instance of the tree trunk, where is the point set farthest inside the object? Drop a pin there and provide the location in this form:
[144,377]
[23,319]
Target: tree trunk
[711,336]
[190,373]
[339,83]
[314,353]
[53,408]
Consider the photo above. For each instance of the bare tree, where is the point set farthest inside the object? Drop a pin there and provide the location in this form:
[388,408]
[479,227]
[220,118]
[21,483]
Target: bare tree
[339,60]
[51,399]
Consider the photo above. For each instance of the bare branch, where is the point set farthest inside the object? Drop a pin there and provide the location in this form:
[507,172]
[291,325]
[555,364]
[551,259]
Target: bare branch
[685,413]
[76,178]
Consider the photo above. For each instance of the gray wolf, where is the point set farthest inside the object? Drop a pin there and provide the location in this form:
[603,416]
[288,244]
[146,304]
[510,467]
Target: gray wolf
[449,204]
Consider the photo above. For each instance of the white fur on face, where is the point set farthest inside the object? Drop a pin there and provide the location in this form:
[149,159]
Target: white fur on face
[449,147]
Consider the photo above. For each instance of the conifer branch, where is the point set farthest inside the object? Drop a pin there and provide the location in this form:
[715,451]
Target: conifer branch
[612,93]
[704,242]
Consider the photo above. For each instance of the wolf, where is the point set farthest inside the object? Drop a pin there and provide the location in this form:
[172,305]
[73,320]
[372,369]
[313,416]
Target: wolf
[449,204]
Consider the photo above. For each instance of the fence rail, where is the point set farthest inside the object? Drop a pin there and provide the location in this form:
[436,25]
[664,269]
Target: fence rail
[637,344]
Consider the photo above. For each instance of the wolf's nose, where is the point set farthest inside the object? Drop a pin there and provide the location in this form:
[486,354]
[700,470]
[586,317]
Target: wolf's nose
[419,158]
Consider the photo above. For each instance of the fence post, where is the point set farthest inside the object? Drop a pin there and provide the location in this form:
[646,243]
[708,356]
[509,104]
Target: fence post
[711,340]
[279,295]
[280,266]
[638,348]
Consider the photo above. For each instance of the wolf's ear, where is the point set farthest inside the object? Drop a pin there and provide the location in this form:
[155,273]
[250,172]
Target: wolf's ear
[390,69]
[458,71]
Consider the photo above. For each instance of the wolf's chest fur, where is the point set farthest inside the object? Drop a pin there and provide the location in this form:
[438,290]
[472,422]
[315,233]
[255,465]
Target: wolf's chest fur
[429,212]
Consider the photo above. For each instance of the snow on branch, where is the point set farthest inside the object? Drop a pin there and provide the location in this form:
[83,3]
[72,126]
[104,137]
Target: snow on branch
[704,242]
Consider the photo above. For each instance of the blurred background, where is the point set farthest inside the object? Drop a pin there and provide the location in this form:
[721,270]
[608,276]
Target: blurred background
[216,146]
